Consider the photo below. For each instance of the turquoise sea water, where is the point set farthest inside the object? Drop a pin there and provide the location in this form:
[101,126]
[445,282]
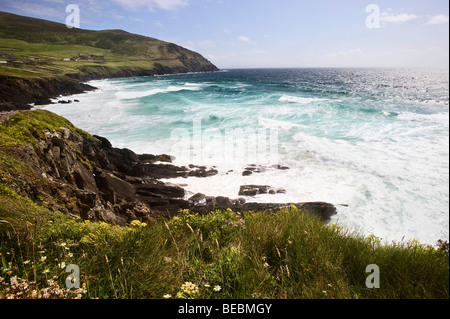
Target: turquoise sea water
[374,142]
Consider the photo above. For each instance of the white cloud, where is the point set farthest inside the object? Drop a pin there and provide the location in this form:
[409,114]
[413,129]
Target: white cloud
[243,38]
[438,19]
[152,4]
[399,18]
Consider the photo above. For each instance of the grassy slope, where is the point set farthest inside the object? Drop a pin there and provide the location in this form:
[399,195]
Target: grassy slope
[253,255]
[51,42]
[285,255]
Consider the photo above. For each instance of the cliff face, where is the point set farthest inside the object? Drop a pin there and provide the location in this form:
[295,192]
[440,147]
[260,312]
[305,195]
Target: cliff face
[20,93]
[45,158]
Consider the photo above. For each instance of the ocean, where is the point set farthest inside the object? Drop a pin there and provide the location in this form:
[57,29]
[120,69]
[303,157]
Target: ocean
[373,142]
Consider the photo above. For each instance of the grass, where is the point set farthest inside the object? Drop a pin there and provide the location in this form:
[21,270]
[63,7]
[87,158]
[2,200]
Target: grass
[222,255]
[25,127]
[53,54]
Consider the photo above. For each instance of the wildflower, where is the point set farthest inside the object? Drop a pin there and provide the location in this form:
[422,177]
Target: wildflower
[70,255]
[62,265]
[46,271]
[167,296]
[189,288]
[207,285]
[43,258]
[217,288]
[63,244]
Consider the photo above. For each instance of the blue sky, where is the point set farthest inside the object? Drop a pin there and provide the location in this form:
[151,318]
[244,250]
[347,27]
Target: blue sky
[273,33]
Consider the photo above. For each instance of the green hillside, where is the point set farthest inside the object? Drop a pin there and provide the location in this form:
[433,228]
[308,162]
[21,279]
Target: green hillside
[35,47]
[41,59]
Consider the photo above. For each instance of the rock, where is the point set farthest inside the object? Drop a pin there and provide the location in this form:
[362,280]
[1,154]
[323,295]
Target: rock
[253,190]
[260,169]
[197,198]
[280,167]
[65,101]
[151,159]
[84,178]
[166,191]
[321,209]
[247,173]
[223,202]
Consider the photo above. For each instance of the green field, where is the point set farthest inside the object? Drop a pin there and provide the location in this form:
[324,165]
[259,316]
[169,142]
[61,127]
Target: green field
[34,47]
[48,59]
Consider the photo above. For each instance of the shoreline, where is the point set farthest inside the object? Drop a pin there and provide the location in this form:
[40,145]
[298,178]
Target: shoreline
[25,93]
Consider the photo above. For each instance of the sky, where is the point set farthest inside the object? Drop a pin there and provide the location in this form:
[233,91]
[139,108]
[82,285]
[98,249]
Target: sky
[274,33]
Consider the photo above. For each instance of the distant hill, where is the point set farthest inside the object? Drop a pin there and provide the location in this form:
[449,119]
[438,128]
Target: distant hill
[36,50]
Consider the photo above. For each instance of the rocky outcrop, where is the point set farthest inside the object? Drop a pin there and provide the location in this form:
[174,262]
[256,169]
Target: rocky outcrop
[85,176]
[21,93]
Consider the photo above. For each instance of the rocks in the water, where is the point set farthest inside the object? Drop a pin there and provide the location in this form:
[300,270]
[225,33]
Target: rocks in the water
[65,101]
[261,169]
[253,190]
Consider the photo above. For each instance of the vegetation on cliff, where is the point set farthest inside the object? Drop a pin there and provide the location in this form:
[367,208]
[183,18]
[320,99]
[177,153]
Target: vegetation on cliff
[55,198]
[36,50]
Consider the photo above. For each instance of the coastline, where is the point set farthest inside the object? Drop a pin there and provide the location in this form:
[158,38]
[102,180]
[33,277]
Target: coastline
[24,93]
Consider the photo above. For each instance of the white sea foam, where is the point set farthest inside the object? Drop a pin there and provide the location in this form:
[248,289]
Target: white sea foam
[298,99]
[138,94]
[439,118]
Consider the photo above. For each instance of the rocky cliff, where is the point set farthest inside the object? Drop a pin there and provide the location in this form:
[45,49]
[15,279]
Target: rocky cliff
[45,158]
[18,93]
